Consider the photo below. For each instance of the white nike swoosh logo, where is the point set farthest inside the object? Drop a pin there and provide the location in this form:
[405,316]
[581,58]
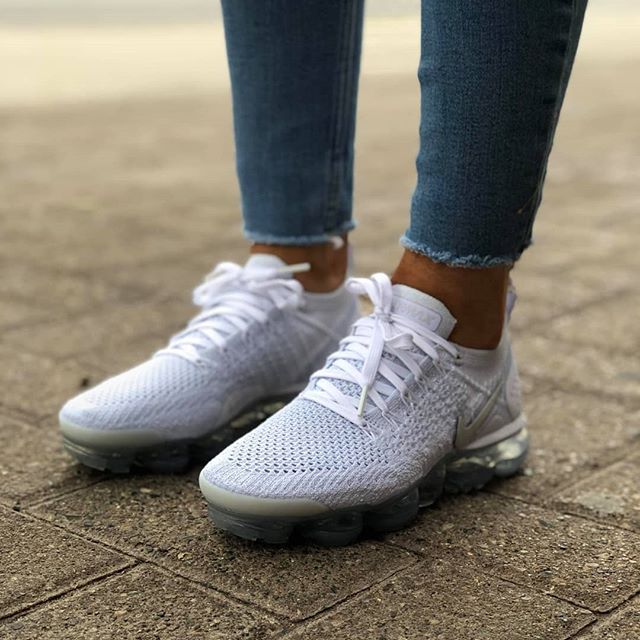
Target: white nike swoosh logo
[466,433]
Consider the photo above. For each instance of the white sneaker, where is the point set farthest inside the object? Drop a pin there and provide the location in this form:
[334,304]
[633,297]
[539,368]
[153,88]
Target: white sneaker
[253,346]
[397,415]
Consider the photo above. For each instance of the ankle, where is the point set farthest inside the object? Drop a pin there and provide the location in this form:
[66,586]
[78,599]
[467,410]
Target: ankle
[328,263]
[475,296]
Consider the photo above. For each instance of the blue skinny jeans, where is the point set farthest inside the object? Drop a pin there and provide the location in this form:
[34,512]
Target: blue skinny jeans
[492,75]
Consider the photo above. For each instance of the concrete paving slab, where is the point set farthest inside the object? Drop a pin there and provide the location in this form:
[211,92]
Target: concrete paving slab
[40,561]
[164,520]
[570,366]
[605,278]
[104,329]
[33,464]
[37,385]
[59,294]
[16,313]
[125,355]
[541,298]
[437,601]
[558,248]
[156,188]
[612,495]
[611,326]
[621,625]
[572,436]
[572,558]
[107,246]
[116,194]
[168,279]
[143,603]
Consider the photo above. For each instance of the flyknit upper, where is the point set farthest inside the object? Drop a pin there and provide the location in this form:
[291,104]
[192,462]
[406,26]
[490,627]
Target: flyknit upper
[183,398]
[307,451]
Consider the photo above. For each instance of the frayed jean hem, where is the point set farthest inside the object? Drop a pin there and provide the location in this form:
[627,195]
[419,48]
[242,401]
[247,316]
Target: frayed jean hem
[320,238]
[453,260]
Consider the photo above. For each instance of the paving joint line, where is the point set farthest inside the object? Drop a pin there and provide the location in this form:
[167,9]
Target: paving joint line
[602,523]
[577,309]
[580,633]
[8,618]
[417,558]
[323,613]
[536,590]
[62,494]
[491,574]
[602,618]
[142,559]
[617,456]
[167,298]
[422,560]
[578,389]
[18,414]
[555,509]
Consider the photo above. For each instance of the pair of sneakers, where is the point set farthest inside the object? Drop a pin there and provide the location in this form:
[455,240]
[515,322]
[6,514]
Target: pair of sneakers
[378,423]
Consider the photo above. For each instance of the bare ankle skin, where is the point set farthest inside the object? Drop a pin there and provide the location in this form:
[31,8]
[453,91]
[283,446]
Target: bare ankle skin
[475,296]
[328,264]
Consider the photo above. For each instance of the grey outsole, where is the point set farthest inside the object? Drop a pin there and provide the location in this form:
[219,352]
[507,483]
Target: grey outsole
[460,472]
[176,456]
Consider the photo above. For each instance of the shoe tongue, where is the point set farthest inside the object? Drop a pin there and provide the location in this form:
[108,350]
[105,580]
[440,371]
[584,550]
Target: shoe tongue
[423,308]
[262,261]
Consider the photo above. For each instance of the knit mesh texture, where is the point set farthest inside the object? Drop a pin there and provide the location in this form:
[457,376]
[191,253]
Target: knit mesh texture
[148,383]
[170,394]
[306,437]
[163,392]
[306,451]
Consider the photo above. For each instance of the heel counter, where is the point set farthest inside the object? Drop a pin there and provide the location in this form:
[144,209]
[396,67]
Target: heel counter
[513,389]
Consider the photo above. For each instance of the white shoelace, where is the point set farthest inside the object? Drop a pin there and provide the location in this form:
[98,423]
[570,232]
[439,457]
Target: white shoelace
[385,343]
[232,298]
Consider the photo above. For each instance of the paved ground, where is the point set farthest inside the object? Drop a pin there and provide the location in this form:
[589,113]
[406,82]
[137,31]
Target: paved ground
[112,211]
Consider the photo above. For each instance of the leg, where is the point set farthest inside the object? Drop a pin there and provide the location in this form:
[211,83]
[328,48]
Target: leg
[294,70]
[259,334]
[492,77]
[424,397]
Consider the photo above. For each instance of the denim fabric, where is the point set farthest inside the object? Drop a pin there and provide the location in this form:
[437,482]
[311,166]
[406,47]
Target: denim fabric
[492,78]
[294,69]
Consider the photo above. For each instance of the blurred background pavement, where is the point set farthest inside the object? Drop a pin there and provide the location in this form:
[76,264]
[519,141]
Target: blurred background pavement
[118,192]
[74,50]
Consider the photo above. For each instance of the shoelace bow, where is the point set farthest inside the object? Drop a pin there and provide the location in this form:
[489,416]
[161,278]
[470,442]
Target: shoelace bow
[232,297]
[385,343]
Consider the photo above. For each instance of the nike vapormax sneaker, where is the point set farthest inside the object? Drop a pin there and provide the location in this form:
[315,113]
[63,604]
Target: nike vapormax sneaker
[253,347]
[396,416]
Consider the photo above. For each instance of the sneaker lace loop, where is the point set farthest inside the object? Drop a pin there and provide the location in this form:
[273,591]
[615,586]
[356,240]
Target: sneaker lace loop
[388,347]
[231,298]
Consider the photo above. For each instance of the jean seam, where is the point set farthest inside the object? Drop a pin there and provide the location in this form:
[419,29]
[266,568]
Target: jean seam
[533,202]
[344,82]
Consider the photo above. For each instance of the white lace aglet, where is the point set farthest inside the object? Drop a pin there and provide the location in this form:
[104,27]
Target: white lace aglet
[296,268]
[363,399]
